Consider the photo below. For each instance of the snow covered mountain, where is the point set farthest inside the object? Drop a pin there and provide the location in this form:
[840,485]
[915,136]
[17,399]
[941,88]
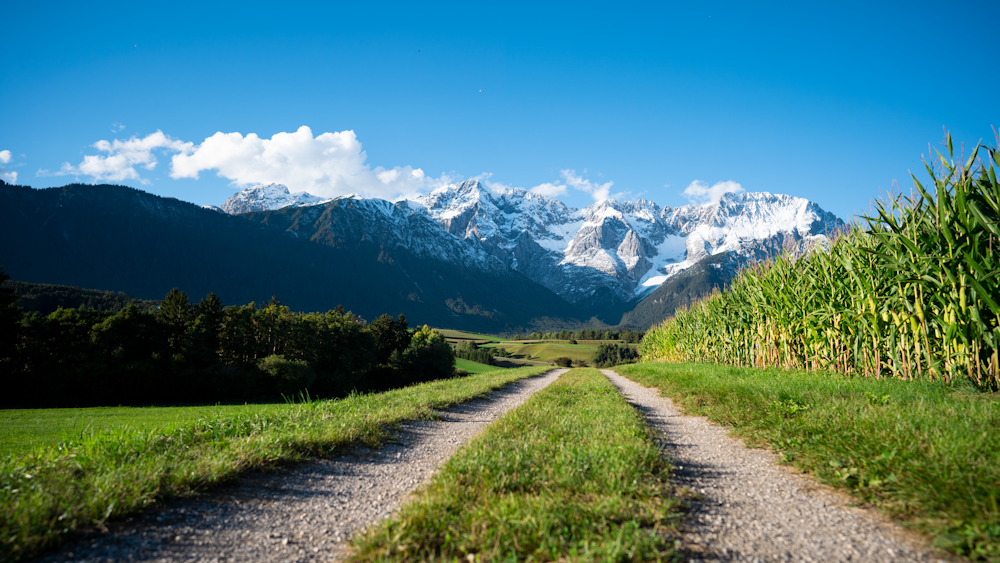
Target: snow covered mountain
[621,251]
[265,198]
[610,252]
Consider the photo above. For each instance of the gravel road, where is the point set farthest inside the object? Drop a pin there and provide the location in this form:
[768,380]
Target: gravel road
[303,513]
[751,509]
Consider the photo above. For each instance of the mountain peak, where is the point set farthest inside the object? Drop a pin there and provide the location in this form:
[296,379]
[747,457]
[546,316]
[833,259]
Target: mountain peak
[266,198]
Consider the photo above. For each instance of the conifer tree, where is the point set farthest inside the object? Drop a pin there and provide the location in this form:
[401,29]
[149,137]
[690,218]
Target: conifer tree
[10,318]
[175,310]
[208,323]
[175,313]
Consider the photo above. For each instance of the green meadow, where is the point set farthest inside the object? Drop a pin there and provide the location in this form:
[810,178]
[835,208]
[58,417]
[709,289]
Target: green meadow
[463,335]
[25,430]
[547,351]
[473,367]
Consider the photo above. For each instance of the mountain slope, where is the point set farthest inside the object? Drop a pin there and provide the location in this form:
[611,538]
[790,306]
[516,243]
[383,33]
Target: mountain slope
[682,289]
[605,258]
[121,239]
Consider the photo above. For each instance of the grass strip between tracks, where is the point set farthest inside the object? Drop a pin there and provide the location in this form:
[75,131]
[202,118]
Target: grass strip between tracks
[48,494]
[571,475]
[925,452]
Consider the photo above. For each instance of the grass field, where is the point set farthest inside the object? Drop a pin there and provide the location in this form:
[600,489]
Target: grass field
[461,334]
[572,475]
[474,367]
[548,351]
[47,494]
[24,430]
[926,453]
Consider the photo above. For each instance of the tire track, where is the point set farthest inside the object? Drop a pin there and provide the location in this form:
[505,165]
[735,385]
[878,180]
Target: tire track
[751,509]
[307,512]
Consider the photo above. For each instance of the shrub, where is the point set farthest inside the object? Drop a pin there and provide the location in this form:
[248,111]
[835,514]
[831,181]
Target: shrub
[470,351]
[287,377]
[428,357]
[609,355]
[563,361]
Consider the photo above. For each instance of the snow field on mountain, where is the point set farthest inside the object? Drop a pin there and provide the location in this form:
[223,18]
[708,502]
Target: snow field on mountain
[628,247]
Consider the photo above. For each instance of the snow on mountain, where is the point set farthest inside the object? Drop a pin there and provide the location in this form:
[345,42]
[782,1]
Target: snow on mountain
[608,252]
[266,198]
[621,250]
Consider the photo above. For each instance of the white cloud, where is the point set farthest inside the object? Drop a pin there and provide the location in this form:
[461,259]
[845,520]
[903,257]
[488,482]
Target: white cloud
[549,189]
[599,192]
[327,165]
[9,177]
[121,157]
[699,192]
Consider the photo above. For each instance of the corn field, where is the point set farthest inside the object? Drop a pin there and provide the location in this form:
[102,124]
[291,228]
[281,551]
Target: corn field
[909,292]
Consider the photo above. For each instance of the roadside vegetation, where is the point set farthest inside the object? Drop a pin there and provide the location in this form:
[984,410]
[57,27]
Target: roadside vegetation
[572,475]
[913,294]
[113,470]
[925,452]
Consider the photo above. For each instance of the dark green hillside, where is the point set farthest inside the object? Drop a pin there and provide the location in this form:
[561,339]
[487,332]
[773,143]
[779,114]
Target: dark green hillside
[122,239]
[45,298]
[683,289]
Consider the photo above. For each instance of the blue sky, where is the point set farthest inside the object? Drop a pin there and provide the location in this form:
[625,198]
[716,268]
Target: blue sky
[831,103]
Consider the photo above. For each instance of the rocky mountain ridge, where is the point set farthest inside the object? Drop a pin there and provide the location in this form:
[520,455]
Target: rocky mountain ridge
[608,253]
[266,197]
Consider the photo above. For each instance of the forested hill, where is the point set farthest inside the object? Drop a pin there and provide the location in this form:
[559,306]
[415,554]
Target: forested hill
[681,290]
[117,238]
[46,298]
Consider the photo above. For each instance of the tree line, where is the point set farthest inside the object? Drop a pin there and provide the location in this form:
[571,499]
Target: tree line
[627,335]
[186,352]
[470,351]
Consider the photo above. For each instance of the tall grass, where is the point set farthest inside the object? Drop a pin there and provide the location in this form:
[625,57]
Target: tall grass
[910,293]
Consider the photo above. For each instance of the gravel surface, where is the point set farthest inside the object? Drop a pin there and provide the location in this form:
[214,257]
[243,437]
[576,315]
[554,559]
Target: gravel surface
[306,512]
[748,508]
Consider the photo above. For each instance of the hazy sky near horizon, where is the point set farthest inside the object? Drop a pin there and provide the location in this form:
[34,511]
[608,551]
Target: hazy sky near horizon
[672,102]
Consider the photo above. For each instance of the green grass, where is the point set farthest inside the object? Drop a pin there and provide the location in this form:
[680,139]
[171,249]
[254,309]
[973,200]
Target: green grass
[926,453]
[25,430]
[474,367]
[549,351]
[470,335]
[572,475]
[517,362]
[52,491]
